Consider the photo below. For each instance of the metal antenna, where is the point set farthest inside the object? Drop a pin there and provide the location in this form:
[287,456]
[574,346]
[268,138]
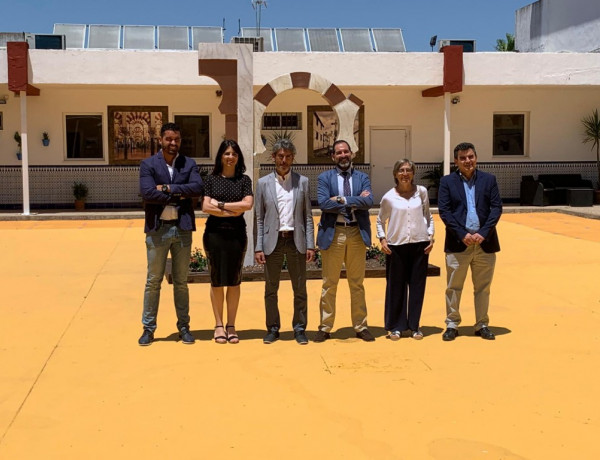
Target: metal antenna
[257,5]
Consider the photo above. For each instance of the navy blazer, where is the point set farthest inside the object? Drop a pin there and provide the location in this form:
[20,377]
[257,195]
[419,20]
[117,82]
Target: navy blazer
[328,187]
[186,183]
[452,203]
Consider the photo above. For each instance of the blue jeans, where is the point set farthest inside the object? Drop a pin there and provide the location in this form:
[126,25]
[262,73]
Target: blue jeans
[158,244]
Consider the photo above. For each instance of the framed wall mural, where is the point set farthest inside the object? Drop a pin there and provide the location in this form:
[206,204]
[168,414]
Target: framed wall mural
[323,128]
[134,132]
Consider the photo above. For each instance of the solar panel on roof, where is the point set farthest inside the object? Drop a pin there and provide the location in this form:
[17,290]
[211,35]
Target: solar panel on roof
[173,38]
[138,37]
[104,36]
[389,40]
[264,33]
[356,40]
[75,34]
[323,40]
[290,39]
[206,35]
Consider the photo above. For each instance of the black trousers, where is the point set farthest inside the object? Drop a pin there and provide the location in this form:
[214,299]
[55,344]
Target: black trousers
[296,265]
[406,276]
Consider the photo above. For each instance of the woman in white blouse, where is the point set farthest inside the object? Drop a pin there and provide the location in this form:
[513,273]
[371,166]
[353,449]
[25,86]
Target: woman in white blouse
[407,243]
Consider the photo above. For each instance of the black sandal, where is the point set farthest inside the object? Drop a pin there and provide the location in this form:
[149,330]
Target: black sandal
[221,339]
[232,338]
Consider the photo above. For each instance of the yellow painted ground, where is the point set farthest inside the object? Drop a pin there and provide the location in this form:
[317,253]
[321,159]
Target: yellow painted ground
[75,384]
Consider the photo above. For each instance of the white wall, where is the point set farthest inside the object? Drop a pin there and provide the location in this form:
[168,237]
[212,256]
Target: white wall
[47,113]
[557,89]
[558,25]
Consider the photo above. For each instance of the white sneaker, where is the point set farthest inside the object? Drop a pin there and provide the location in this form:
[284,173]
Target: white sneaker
[417,335]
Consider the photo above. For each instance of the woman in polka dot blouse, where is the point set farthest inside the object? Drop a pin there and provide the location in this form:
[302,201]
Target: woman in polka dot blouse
[228,194]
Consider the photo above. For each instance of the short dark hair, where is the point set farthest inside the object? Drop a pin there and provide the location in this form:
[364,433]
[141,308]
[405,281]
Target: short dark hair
[240,167]
[339,141]
[464,146]
[169,127]
[284,144]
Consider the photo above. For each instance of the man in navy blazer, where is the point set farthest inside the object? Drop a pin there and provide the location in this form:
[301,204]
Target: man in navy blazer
[168,182]
[470,206]
[344,233]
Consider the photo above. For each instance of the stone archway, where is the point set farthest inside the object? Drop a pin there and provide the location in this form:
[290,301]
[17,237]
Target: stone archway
[345,108]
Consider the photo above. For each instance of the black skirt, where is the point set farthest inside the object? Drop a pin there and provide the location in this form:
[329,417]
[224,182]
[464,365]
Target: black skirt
[225,250]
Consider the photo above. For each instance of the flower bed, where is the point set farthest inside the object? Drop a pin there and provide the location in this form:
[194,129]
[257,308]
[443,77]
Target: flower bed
[375,268]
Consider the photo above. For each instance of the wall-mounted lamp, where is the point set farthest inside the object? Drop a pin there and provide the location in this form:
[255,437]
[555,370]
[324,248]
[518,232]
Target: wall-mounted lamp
[455,100]
[219,93]
[3,99]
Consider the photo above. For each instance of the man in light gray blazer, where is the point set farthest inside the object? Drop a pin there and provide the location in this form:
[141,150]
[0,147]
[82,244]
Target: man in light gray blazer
[284,227]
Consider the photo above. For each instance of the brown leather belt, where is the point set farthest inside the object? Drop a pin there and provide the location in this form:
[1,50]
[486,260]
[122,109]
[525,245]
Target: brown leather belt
[346,224]
[287,233]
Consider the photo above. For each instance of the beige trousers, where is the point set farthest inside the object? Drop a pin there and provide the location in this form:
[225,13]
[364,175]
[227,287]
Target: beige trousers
[347,248]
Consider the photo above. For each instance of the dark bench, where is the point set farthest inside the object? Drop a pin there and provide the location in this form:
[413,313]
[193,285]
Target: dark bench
[556,189]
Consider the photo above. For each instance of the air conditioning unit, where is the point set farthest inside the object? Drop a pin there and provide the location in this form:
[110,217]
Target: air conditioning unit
[257,43]
[468,45]
[46,41]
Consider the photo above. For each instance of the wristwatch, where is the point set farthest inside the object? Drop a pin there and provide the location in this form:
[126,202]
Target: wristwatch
[165,188]
[340,199]
[221,205]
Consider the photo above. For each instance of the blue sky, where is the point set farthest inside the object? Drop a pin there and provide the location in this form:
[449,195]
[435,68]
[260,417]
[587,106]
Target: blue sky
[482,20]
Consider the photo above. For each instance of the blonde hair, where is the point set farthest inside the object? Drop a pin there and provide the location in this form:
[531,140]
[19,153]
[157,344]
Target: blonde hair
[399,164]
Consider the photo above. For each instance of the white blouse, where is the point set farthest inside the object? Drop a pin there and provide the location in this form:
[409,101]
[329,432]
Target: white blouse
[410,220]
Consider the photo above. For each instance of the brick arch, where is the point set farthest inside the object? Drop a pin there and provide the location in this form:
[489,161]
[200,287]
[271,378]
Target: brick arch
[346,108]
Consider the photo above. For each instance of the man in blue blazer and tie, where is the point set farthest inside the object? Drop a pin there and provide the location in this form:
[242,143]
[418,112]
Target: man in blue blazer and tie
[470,206]
[284,227]
[344,233]
[168,182]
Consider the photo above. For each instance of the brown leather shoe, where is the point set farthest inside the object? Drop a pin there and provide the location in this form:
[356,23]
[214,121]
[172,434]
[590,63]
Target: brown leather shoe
[321,336]
[365,335]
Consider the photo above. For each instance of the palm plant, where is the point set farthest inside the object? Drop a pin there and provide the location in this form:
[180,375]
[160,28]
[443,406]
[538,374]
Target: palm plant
[434,175]
[278,135]
[591,133]
[506,45]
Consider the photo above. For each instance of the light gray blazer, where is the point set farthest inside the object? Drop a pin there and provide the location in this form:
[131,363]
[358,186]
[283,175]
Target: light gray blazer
[267,214]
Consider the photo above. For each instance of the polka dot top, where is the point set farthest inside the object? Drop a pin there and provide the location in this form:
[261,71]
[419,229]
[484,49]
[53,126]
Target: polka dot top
[228,190]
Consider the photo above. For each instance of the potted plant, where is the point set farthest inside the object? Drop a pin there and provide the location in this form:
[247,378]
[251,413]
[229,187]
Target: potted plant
[45,139]
[434,175]
[591,133]
[17,138]
[80,192]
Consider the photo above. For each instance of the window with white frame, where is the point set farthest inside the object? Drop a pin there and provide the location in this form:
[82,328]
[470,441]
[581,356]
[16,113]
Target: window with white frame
[84,137]
[195,135]
[510,134]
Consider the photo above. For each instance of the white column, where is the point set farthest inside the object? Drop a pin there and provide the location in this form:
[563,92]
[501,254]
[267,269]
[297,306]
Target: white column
[24,153]
[448,158]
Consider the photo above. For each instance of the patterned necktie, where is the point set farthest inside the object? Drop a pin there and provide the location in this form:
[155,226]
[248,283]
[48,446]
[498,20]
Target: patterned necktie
[347,192]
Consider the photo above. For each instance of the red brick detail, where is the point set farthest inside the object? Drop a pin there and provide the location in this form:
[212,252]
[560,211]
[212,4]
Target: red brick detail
[334,95]
[300,79]
[433,92]
[224,72]
[265,95]
[18,76]
[355,99]
[453,68]
[231,125]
